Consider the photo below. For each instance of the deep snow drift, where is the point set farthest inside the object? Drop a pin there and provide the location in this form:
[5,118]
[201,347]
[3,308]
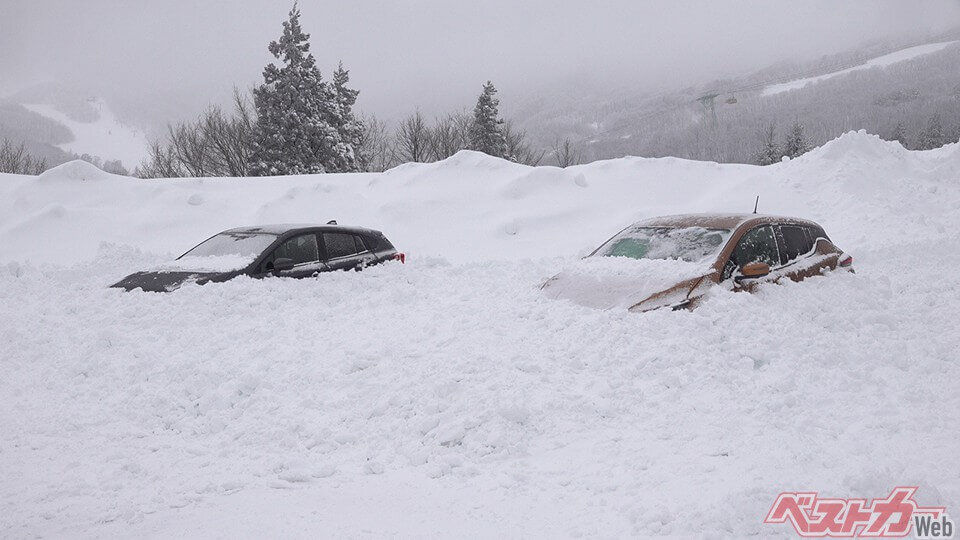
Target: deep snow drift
[448,396]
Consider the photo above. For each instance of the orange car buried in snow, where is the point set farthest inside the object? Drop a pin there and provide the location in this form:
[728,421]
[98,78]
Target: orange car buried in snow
[672,261]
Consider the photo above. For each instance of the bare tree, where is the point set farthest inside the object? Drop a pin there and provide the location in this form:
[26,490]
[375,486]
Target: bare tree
[376,148]
[518,150]
[160,163]
[414,139]
[451,134]
[566,153]
[229,138]
[16,160]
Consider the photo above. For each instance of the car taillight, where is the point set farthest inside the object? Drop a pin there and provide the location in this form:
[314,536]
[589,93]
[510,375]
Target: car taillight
[402,257]
[846,261]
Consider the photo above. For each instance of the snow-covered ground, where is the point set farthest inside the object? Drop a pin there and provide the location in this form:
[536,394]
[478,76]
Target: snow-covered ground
[448,396]
[880,61]
[107,137]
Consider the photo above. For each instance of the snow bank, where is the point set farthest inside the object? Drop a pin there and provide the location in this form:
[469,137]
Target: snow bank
[450,397]
[473,207]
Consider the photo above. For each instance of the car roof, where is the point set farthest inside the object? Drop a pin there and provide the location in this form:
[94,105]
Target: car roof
[283,228]
[718,221]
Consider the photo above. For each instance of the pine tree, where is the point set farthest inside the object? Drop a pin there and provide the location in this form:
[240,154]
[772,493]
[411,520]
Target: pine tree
[796,143]
[297,122]
[932,136]
[899,134]
[486,132]
[769,152]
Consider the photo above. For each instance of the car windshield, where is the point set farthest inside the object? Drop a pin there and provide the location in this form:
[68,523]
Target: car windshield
[240,244]
[692,244]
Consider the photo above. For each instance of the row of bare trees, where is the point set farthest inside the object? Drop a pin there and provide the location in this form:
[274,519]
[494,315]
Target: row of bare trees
[416,139]
[216,144]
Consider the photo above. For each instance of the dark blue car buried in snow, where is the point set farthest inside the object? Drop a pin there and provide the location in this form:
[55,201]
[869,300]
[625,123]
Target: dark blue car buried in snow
[269,250]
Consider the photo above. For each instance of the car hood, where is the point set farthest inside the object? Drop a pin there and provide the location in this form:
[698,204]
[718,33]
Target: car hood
[162,281]
[621,282]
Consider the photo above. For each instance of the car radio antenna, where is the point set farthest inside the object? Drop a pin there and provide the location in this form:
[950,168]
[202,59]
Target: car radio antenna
[755,203]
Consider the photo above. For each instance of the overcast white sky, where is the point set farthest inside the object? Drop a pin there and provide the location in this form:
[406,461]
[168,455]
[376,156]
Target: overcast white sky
[433,54]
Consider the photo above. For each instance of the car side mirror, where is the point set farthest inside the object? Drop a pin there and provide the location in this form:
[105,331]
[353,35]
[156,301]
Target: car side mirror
[282,264]
[753,270]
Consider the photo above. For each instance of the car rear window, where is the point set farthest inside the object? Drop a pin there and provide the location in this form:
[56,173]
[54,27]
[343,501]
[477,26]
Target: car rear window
[817,232]
[377,242]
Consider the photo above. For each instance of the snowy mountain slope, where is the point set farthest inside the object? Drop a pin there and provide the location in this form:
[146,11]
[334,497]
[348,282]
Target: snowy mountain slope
[447,396]
[880,61]
[106,136]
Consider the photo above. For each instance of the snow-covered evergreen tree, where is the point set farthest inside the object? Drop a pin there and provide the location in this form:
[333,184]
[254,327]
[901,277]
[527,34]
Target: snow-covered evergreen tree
[486,132]
[298,114]
[932,136]
[770,151]
[349,126]
[796,143]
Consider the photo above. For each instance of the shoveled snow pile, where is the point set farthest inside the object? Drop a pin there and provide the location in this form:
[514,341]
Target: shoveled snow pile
[448,396]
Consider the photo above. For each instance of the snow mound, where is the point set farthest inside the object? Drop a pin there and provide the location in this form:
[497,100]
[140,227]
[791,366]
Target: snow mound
[75,170]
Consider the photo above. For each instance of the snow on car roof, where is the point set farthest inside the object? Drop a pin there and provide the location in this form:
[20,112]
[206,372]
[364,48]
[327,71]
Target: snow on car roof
[280,228]
[720,221]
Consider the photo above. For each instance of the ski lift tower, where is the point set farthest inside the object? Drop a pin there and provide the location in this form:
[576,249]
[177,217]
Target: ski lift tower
[708,104]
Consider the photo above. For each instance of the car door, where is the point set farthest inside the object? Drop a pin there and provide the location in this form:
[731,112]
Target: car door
[346,251]
[303,250]
[759,244]
[805,251]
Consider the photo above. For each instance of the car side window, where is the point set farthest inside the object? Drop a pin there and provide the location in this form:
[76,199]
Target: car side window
[341,245]
[301,249]
[360,247]
[796,241]
[757,245]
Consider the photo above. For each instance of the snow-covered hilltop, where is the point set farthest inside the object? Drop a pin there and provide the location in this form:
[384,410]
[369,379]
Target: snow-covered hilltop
[447,396]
